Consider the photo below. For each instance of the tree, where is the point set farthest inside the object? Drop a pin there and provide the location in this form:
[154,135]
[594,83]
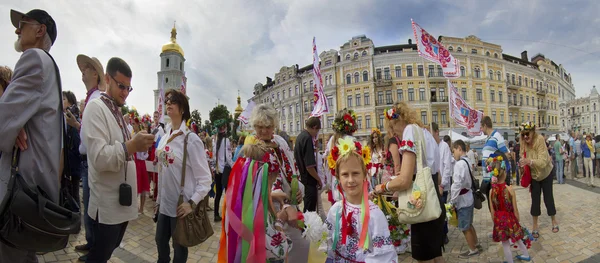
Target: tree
[195,117]
[125,109]
[207,126]
[220,112]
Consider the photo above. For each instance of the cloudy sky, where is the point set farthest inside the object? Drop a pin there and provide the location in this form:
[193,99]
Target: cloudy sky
[231,45]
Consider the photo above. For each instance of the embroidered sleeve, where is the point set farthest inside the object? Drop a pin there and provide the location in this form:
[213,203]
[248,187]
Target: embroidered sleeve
[383,249]
[330,224]
[408,140]
[277,243]
[277,185]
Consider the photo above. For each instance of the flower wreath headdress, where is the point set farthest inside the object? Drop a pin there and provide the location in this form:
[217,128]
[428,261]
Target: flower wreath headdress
[492,167]
[376,130]
[342,148]
[345,124]
[391,113]
[527,126]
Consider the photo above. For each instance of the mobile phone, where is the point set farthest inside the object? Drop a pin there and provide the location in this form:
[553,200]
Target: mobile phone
[155,131]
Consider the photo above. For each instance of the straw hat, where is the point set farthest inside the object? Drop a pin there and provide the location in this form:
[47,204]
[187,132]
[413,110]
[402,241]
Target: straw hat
[83,60]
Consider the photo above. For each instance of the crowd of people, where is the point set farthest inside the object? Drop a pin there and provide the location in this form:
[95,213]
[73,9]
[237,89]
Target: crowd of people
[264,182]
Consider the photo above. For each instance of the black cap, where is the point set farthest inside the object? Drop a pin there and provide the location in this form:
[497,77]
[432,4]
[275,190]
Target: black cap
[38,15]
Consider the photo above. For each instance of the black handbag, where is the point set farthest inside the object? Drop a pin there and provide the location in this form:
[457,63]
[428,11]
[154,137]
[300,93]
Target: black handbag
[478,197]
[29,219]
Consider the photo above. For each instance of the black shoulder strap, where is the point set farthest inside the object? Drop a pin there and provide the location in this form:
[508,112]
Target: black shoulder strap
[472,179]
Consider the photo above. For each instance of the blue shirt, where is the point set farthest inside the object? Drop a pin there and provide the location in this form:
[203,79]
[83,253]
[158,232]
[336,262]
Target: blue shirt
[494,143]
[585,150]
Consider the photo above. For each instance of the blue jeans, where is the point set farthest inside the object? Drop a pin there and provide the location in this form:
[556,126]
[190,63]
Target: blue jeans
[558,165]
[87,220]
[465,218]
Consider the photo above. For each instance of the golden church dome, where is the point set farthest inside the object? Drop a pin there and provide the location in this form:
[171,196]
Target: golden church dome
[239,109]
[173,46]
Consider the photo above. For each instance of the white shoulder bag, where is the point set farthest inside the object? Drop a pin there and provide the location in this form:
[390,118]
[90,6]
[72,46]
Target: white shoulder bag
[422,189]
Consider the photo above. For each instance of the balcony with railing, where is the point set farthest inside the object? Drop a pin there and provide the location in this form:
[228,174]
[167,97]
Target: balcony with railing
[542,108]
[435,74]
[439,100]
[383,102]
[514,104]
[542,91]
[512,85]
[383,82]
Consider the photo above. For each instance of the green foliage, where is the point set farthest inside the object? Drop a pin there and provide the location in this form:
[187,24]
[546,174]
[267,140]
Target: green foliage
[220,112]
[195,117]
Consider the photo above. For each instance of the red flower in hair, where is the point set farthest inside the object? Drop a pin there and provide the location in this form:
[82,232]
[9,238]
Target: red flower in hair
[410,144]
[348,118]
[335,153]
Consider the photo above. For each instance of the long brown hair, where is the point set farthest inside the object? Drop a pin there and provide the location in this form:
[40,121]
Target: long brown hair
[380,143]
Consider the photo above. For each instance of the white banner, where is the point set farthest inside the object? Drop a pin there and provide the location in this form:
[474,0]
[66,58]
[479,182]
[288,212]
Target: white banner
[463,114]
[320,100]
[245,116]
[429,48]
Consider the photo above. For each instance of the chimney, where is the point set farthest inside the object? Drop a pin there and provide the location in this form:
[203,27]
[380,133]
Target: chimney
[524,56]
[410,41]
[269,80]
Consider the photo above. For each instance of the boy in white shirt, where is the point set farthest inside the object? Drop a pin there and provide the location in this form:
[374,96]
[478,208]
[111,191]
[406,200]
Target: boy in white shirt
[461,197]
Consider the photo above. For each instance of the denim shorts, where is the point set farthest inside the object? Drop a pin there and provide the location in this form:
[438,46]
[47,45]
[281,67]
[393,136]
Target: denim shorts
[465,218]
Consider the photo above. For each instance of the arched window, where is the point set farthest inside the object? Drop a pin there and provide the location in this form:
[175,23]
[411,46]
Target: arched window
[168,62]
[364,53]
[499,75]
[520,80]
[330,79]
[348,79]
[495,55]
[348,57]
[462,71]
[491,74]
[526,82]
[365,76]
[326,80]
[513,79]
[477,73]
[459,49]
[355,55]
[450,48]
[487,53]
[356,77]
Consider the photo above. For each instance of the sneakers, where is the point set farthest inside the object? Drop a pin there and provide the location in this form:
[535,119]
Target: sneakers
[82,247]
[523,258]
[218,218]
[468,254]
[479,248]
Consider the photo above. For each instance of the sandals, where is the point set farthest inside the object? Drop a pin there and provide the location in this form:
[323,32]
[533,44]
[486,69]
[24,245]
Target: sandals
[555,229]
[535,234]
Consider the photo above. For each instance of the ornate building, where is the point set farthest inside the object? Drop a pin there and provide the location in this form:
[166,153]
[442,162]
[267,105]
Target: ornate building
[368,79]
[582,114]
[172,65]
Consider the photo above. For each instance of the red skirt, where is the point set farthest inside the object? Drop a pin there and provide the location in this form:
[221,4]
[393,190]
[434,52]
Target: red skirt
[143,182]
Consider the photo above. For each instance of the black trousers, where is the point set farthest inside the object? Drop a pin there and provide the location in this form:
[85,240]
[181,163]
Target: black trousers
[311,194]
[106,239]
[219,193]
[537,188]
[165,227]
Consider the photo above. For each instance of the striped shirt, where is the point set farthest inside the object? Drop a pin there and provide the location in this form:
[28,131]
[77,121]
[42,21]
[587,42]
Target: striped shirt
[494,143]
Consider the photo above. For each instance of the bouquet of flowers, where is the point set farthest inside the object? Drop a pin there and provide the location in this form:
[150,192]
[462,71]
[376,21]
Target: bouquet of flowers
[313,228]
[527,238]
[399,233]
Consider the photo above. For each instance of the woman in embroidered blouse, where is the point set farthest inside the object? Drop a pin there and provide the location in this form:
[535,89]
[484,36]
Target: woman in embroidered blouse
[170,152]
[540,165]
[377,156]
[357,229]
[344,125]
[427,237]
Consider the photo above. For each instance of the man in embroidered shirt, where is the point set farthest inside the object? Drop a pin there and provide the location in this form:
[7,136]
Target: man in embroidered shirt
[109,147]
[92,75]
[495,142]
[445,169]
[30,110]
[461,198]
[222,155]
[304,153]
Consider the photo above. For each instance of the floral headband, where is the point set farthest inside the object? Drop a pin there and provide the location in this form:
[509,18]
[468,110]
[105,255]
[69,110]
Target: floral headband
[344,147]
[346,124]
[491,166]
[390,113]
[146,119]
[527,126]
[376,130]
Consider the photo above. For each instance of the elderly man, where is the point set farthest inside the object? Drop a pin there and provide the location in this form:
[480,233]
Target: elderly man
[31,114]
[92,75]
[112,175]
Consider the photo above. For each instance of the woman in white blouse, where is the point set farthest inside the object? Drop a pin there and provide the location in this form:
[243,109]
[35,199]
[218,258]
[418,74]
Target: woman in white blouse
[170,153]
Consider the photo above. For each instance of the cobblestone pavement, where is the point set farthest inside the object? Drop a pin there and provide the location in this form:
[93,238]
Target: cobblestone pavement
[577,241]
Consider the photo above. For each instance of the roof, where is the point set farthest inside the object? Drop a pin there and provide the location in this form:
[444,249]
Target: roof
[392,48]
[518,60]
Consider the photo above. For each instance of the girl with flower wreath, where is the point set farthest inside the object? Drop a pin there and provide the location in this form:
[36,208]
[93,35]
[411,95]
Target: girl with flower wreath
[505,213]
[377,156]
[344,125]
[427,237]
[357,230]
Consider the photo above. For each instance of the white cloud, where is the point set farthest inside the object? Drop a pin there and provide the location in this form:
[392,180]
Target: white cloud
[233,44]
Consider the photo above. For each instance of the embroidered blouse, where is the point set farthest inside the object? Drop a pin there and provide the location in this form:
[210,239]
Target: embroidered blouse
[277,244]
[287,168]
[380,249]
[431,147]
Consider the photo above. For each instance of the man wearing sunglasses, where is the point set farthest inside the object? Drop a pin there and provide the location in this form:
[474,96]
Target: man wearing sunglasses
[31,114]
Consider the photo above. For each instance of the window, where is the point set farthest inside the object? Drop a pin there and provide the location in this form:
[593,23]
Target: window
[450,48]
[291,110]
[520,81]
[327,63]
[304,87]
[367,99]
[444,121]
[283,113]
[487,53]
[297,108]
[356,77]
[500,96]
[494,116]
[422,94]
[492,96]
[522,117]
[463,92]
[365,76]
[378,73]
[368,121]
[348,57]
[355,55]
[364,53]
[330,79]
[409,71]
[348,79]
[440,72]
[357,99]
[379,97]
[434,117]
[278,95]
[329,122]
[527,100]
[329,100]
[479,95]
[359,122]
[349,102]
[305,106]
[462,71]
[499,75]
[431,72]
[502,119]
[459,49]
[496,56]
[424,117]
[296,90]
[510,119]
[386,73]
[526,82]
[388,97]
[491,74]
[400,95]
[398,72]
[473,51]
[291,126]
[411,94]
[166,80]
[381,121]
[521,100]
[512,77]
[298,125]
[168,62]
[420,70]
[283,94]
[442,95]
[477,73]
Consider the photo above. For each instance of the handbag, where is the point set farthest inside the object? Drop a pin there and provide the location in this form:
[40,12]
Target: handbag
[526,179]
[29,219]
[194,228]
[478,196]
[423,188]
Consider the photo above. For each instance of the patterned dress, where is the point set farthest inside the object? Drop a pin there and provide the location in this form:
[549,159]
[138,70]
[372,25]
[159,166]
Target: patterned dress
[506,225]
[380,248]
[277,243]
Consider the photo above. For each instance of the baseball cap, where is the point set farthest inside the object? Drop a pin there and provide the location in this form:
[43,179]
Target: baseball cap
[38,15]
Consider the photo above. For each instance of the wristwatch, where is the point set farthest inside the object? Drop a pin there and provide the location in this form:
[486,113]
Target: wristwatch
[192,204]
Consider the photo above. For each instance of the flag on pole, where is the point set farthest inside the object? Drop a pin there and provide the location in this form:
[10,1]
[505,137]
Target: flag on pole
[245,116]
[183,83]
[161,100]
[463,114]
[320,100]
[432,50]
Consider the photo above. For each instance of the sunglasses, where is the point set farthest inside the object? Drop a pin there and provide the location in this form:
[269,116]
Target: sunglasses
[121,86]
[22,22]
[525,134]
[170,100]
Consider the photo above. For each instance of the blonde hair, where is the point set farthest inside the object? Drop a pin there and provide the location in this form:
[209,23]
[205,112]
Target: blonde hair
[344,158]
[497,165]
[5,77]
[406,114]
[265,115]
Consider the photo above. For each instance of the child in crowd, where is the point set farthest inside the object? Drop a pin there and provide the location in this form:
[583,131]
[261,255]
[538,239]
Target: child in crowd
[357,228]
[504,210]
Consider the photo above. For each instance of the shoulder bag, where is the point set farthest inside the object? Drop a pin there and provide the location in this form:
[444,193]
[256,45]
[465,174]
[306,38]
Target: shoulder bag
[29,219]
[423,189]
[478,196]
[194,228]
